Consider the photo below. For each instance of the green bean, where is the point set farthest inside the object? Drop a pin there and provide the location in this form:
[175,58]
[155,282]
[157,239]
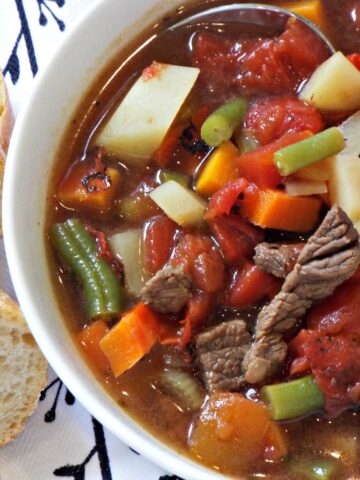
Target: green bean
[316,468]
[221,124]
[108,281]
[311,150]
[293,399]
[103,295]
[166,175]
[245,143]
[183,386]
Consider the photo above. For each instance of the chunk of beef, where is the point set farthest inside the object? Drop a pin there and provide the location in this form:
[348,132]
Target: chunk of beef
[330,257]
[220,351]
[168,290]
[276,258]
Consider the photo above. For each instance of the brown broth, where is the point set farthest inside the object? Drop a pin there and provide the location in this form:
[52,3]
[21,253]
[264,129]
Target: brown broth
[137,391]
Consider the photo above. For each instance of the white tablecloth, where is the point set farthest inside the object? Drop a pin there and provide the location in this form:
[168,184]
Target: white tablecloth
[61,440]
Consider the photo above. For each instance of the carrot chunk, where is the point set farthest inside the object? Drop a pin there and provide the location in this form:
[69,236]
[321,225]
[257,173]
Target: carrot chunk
[276,209]
[89,339]
[131,339]
[233,431]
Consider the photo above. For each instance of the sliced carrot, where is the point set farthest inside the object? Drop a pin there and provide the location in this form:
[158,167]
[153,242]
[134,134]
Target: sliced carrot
[276,442]
[72,190]
[232,432]
[219,169]
[131,339]
[310,9]
[89,338]
[300,365]
[276,209]
[296,345]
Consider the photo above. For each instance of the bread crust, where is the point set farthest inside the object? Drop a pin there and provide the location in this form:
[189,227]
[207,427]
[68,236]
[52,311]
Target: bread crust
[23,370]
[6,117]
[6,126]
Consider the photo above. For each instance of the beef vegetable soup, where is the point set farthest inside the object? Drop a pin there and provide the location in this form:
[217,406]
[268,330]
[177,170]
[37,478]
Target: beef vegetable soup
[202,233]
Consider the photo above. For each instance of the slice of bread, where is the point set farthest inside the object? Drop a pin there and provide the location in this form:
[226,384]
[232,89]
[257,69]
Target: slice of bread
[23,370]
[6,117]
[6,126]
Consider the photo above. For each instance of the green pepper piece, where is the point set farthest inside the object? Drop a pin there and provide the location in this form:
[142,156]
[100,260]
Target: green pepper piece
[103,294]
[311,150]
[221,124]
[166,175]
[293,399]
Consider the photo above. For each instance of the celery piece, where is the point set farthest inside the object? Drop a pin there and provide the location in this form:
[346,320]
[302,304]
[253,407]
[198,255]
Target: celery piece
[221,124]
[293,399]
[166,175]
[184,386]
[316,468]
[306,152]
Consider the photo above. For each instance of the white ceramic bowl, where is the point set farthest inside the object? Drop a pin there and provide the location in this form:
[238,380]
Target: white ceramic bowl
[58,90]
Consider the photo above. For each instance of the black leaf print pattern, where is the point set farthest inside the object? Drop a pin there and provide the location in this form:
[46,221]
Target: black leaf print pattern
[50,415]
[170,477]
[77,472]
[12,66]
[44,5]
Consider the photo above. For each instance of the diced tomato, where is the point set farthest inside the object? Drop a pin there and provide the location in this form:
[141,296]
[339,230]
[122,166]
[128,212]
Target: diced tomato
[164,153]
[299,365]
[339,312]
[268,119]
[189,248]
[236,237]
[251,284]
[222,201]
[201,259]
[200,115]
[103,249]
[209,271]
[355,59]
[199,309]
[335,363]
[257,166]
[330,348]
[254,66]
[296,345]
[159,240]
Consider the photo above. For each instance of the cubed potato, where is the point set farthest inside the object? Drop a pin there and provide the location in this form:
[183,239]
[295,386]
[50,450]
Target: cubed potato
[334,86]
[344,186]
[350,129]
[179,203]
[127,246]
[138,126]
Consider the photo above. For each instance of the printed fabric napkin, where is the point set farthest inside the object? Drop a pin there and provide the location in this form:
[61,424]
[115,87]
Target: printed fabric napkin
[61,440]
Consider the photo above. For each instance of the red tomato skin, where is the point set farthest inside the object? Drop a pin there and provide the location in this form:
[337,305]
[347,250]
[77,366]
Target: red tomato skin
[257,166]
[354,59]
[249,285]
[236,237]
[339,312]
[222,201]
[209,272]
[159,241]
[332,347]
[251,67]
[201,259]
[268,119]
